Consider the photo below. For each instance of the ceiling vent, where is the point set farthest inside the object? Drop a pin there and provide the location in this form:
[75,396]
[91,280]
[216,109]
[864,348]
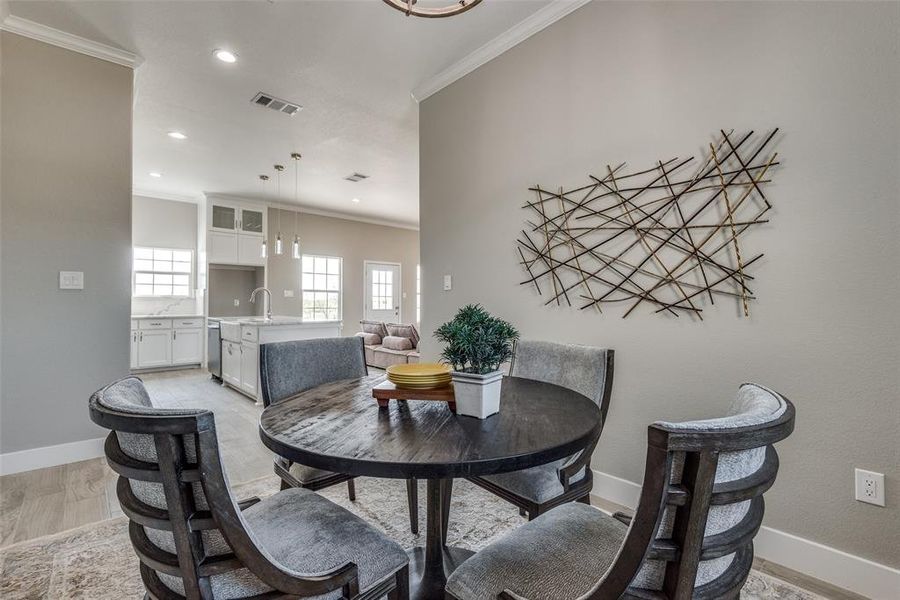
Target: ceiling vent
[282,106]
[356,177]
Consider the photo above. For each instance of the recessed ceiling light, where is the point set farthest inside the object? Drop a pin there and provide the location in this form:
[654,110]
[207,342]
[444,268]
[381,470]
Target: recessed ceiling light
[177,135]
[356,200]
[225,56]
[155,174]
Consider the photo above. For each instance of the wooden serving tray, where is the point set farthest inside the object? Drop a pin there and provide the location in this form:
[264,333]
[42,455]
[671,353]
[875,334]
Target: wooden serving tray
[385,391]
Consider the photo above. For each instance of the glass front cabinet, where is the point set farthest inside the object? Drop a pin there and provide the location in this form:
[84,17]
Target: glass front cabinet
[236,231]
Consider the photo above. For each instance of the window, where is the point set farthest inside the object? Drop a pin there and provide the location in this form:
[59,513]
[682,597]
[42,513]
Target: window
[418,293]
[162,272]
[382,289]
[320,285]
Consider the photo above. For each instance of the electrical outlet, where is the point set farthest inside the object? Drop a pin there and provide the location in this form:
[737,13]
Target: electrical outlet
[237,302]
[288,293]
[870,487]
[448,283]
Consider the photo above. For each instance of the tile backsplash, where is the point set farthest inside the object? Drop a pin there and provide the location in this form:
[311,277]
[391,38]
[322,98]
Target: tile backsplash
[167,306]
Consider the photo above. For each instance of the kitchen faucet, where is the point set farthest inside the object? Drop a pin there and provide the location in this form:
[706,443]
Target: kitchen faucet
[269,305]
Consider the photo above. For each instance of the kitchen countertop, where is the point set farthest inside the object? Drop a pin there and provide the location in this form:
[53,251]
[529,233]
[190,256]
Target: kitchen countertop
[274,321]
[176,316]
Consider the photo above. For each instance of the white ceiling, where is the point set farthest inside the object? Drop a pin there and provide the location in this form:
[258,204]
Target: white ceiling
[351,64]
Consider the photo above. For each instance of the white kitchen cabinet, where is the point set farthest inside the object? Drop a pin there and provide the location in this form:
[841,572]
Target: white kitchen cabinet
[166,342]
[242,338]
[250,250]
[154,348]
[222,248]
[187,346]
[236,231]
[250,368]
[231,363]
[134,347]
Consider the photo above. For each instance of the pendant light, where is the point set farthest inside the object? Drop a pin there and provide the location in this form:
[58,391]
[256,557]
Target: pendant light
[295,246]
[279,245]
[264,247]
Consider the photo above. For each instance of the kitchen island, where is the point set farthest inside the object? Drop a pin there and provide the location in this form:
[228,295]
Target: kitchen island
[241,338]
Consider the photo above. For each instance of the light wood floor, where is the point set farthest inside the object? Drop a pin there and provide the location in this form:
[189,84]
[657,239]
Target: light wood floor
[46,501]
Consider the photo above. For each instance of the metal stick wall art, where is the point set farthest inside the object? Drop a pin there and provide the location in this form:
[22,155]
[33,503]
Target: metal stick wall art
[668,236]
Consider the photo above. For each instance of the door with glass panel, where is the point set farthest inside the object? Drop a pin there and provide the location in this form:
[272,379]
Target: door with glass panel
[382,292]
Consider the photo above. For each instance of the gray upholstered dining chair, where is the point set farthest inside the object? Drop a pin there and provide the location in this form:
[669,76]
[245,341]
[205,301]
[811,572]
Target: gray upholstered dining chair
[195,541]
[700,507]
[288,368]
[585,369]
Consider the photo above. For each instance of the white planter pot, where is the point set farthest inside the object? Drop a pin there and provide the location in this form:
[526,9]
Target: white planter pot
[477,395]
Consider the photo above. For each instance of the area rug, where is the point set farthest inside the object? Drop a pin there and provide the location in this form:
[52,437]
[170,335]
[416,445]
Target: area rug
[96,562]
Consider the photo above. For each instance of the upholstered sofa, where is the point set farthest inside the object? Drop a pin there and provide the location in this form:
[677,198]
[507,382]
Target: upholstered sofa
[389,344]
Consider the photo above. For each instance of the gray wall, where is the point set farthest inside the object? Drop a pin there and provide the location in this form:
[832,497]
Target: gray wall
[163,223]
[66,205]
[227,284]
[353,241]
[644,81]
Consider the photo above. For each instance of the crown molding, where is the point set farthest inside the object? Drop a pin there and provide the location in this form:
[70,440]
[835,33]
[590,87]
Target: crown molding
[75,43]
[317,211]
[523,30]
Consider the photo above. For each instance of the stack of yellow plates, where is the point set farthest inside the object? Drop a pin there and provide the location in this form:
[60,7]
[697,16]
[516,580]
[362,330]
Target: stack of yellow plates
[424,376]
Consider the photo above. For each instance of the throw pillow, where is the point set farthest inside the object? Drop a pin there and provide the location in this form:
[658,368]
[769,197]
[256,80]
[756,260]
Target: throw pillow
[369,339]
[376,327]
[393,342]
[407,331]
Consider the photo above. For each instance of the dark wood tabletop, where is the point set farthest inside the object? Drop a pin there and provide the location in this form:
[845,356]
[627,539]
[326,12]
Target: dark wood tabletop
[339,427]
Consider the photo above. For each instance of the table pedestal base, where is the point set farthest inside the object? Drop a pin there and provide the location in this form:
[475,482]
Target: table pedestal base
[430,566]
[427,583]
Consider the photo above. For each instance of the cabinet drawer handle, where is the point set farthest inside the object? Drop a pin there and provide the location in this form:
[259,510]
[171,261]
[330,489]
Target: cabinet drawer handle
[175,335]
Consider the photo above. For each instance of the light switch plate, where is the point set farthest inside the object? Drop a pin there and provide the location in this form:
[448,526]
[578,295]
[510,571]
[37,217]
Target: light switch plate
[71,280]
[288,293]
[237,302]
[448,283]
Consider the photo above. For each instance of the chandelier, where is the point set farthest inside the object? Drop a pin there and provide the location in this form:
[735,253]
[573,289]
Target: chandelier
[409,8]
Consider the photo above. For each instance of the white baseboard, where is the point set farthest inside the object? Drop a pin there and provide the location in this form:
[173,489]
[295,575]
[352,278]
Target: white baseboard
[50,456]
[853,573]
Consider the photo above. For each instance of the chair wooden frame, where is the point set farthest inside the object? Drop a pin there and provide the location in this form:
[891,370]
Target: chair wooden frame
[186,523]
[282,466]
[691,499]
[579,491]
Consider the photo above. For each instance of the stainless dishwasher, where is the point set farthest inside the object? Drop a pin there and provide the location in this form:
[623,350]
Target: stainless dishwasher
[214,348]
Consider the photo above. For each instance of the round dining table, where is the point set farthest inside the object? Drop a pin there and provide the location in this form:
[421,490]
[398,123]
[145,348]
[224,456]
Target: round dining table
[339,427]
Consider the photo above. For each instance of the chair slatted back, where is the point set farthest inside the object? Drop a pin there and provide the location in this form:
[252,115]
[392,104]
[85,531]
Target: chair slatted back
[154,451]
[702,502]
[288,368]
[185,526]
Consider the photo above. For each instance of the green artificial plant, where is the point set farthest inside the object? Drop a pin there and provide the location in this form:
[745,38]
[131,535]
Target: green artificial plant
[476,342]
